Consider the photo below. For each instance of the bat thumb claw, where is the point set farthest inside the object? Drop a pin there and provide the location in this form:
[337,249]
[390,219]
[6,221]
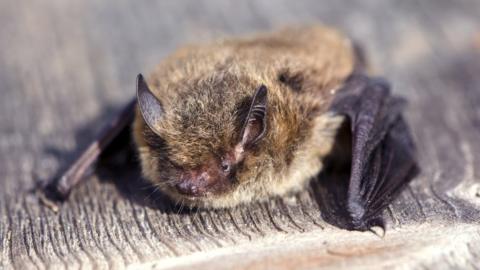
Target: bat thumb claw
[378,231]
[375,225]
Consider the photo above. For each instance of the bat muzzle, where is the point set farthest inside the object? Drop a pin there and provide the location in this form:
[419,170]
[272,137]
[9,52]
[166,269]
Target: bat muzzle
[195,184]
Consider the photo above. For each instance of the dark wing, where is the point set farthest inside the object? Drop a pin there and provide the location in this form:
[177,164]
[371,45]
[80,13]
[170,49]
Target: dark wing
[383,153]
[60,188]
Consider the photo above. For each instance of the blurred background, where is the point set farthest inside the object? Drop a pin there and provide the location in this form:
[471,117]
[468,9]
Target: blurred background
[67,66]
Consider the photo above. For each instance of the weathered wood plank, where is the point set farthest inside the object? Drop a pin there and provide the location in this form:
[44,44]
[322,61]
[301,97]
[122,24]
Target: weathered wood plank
[66,66]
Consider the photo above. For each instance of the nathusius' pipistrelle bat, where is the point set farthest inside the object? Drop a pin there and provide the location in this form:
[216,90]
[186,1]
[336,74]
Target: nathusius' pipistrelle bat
[244,119]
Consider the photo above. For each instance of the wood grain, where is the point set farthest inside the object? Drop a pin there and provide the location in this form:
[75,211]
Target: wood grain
[67,66]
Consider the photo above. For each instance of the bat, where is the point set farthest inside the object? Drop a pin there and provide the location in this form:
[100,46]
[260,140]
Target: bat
[244,119]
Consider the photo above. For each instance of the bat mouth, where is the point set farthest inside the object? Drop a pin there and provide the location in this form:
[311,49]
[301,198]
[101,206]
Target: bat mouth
[200,201]
[207,198]
[191,191]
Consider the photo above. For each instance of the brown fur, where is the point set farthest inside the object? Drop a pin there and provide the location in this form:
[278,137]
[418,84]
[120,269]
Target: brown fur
[202,89]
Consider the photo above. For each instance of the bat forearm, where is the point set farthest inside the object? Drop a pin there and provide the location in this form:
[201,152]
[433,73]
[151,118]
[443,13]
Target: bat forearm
[60,188]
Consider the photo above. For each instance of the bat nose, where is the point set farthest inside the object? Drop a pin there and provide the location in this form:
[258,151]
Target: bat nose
[194,185]
[186,187]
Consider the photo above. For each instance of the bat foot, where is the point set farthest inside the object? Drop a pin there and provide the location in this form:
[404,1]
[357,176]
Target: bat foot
[52,195]
[57,191]
[48,202]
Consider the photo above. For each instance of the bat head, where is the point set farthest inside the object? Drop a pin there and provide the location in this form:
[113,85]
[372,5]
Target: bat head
[198,148]
[227,138]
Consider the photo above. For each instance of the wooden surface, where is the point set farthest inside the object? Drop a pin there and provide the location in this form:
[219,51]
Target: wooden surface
[67,66]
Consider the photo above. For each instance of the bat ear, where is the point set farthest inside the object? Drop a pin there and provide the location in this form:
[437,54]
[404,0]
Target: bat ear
[150,106]
[255,125]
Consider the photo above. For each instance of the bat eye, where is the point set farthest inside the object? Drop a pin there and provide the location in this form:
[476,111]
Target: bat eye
[226,167]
